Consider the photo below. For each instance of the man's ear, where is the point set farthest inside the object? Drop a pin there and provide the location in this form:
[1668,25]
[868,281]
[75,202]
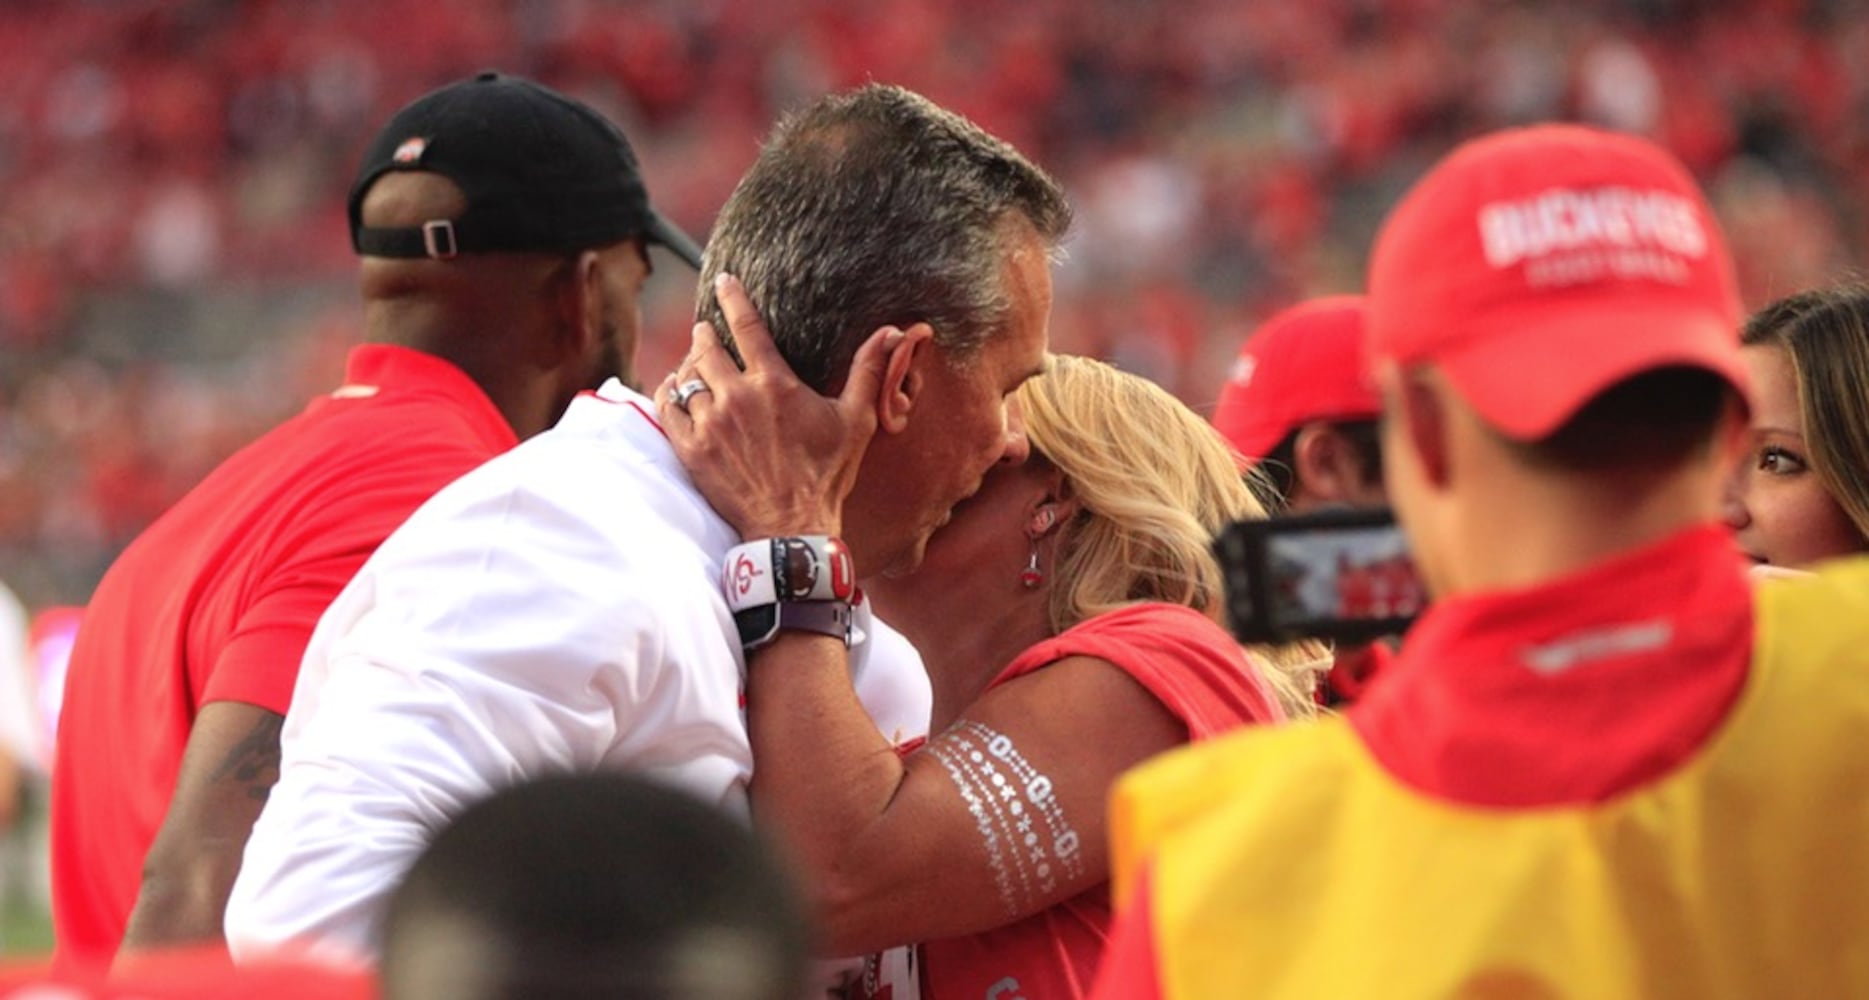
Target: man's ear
[905,375]
[580,307]
[1424,426]
[1323,464]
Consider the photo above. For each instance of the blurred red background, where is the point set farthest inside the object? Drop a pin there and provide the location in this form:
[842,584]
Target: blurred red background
[175,275]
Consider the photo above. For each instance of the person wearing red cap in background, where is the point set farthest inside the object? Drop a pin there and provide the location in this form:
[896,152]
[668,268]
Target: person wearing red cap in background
[1604,765]
[1302,411]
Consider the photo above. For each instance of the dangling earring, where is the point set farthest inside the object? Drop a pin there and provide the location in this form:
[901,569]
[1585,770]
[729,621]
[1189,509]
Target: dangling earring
[1031,576]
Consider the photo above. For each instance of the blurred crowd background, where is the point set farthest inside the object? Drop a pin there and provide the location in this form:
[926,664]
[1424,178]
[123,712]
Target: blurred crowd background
[175,275]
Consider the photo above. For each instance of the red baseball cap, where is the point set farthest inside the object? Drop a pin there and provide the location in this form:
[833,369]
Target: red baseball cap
[1305,363]
[1538,267]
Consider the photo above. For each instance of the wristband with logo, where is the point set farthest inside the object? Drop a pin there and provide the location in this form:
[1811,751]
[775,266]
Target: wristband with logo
[802,582]
[788,570]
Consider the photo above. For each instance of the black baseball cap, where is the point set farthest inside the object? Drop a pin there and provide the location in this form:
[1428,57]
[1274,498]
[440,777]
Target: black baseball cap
[541,171]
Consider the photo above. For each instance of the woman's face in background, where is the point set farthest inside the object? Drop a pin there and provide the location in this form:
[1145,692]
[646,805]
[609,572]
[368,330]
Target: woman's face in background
[1776,503]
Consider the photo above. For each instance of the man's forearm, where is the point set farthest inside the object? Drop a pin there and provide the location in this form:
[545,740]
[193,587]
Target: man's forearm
[823,773]
[228,770]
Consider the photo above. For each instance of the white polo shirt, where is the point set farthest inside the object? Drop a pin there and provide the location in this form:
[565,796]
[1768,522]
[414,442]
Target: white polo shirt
[557,609]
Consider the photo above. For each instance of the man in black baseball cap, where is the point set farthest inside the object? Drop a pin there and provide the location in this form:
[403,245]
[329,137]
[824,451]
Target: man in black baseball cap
[504,232]
[541,172]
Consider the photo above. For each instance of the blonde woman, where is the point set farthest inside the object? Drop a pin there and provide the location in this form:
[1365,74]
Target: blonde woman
[1116,507]
[1801,494]
[1068,616]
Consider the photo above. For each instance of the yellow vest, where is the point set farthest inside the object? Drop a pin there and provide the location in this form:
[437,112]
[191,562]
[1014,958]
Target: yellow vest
[1287,864]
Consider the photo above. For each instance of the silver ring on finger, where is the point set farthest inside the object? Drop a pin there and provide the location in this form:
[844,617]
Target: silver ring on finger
[686,391]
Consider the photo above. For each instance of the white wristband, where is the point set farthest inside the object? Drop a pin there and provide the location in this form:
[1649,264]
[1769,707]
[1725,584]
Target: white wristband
[788,570]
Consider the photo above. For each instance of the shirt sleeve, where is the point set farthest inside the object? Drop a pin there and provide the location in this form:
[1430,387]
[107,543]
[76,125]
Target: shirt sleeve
[484,645]
[1182,657]
[323,548]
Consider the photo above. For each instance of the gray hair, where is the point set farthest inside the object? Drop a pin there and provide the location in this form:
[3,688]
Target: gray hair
[873,208]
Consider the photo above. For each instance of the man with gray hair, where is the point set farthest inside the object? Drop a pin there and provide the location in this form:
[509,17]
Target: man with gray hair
[561,608]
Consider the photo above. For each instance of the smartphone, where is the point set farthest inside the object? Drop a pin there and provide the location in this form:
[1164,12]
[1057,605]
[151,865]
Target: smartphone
[1343,575]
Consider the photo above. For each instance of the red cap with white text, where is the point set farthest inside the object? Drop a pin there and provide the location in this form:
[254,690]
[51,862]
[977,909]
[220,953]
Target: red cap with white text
[1538,267]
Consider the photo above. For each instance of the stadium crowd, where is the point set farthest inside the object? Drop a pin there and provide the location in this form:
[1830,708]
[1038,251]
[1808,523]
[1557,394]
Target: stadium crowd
[171,261]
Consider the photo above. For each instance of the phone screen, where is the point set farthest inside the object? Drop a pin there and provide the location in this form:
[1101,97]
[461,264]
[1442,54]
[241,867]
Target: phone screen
[1342,575]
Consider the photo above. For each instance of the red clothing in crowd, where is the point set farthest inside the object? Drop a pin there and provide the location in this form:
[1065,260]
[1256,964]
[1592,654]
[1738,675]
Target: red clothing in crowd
[189,974]
[1200,674]
[216,601]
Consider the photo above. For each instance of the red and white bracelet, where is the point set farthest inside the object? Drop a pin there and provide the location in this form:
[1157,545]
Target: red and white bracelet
[804,582]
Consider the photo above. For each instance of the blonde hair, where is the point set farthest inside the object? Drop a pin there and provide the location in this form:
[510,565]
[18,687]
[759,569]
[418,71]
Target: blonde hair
[1154,483]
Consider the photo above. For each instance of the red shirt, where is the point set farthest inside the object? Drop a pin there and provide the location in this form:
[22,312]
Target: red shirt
[1201,675]
[217,599]
[189,974]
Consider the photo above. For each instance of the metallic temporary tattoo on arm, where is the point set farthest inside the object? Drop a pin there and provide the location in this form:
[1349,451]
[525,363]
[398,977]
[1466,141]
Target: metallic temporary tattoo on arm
[1029,842]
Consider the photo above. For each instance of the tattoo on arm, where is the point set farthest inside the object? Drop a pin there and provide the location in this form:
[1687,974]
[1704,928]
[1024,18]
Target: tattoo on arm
[1028,840]
[254,761]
